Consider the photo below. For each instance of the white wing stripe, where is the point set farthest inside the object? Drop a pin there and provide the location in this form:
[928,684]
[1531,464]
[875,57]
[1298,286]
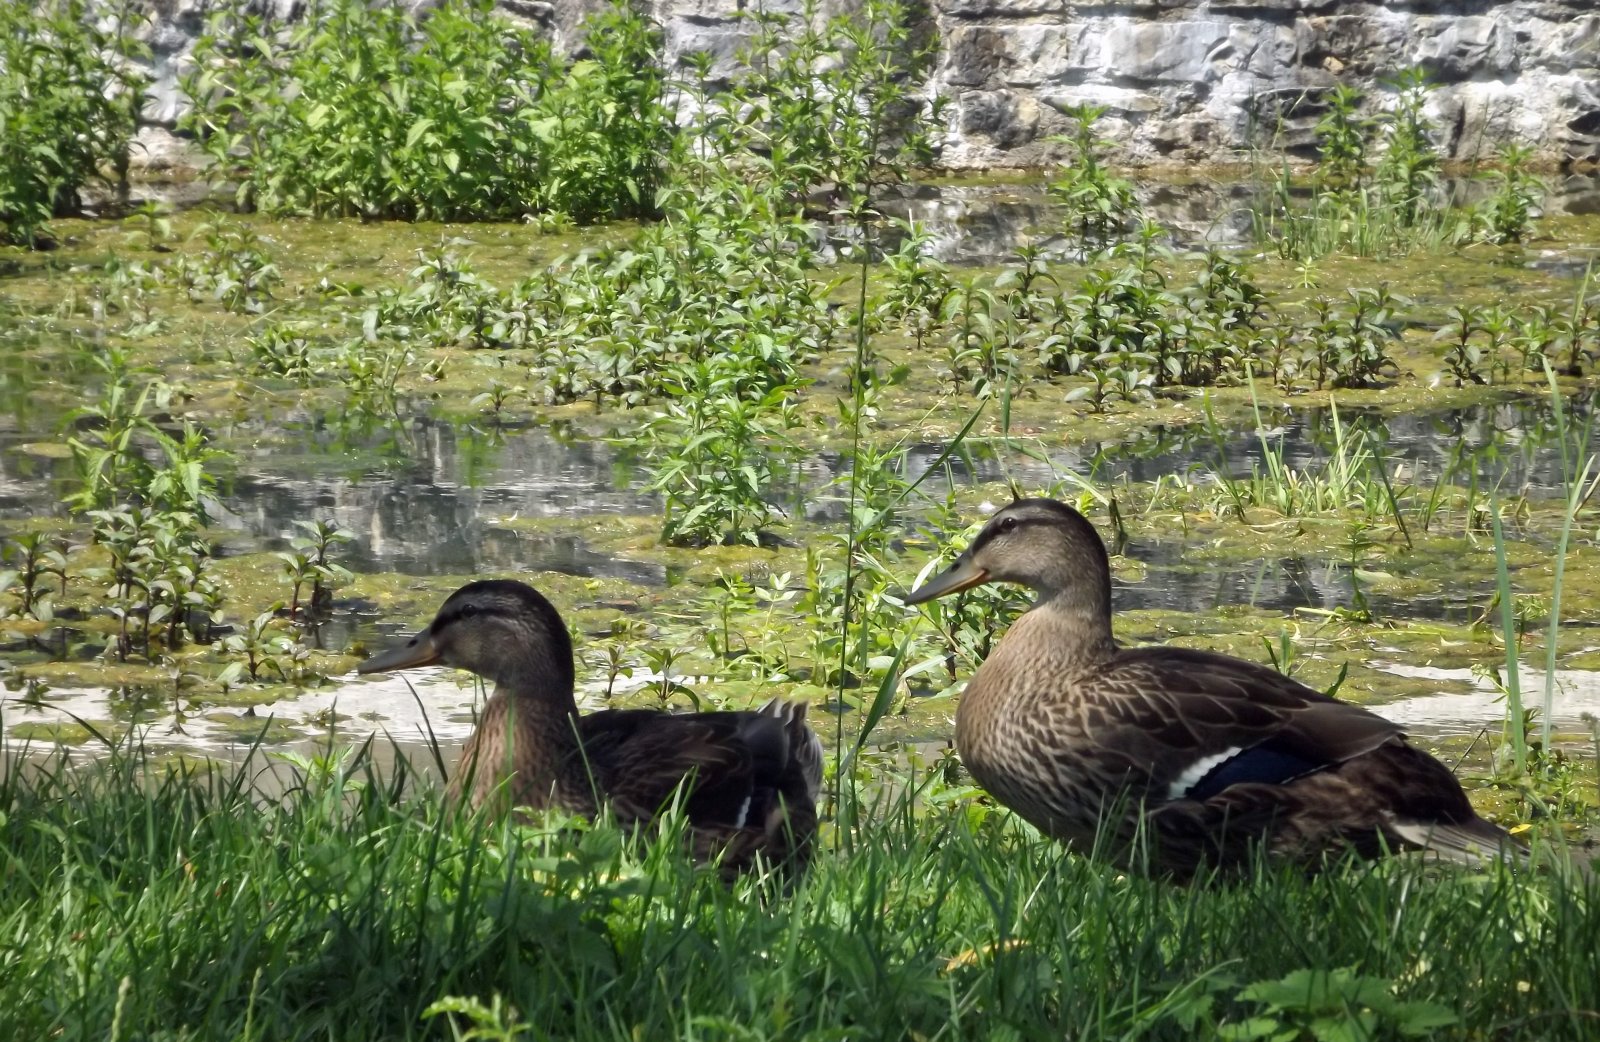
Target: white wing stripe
[1199,769]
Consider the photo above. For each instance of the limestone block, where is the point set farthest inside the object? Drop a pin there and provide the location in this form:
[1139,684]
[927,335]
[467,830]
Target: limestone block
[1014,55]
[1006,118]
[1169,51]
[1453,49]
[1264,49]
[1576,44]
[1361,46]
[992,10]
[1117,101]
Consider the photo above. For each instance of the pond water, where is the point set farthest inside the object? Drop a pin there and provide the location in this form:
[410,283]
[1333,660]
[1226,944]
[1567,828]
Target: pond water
[437,508]
[984,223]
[431,497]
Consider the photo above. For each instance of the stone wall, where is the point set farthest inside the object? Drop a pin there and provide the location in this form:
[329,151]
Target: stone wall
[1186,82]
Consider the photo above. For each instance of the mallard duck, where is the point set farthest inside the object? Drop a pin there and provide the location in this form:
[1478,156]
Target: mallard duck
[749,780]
[1201,754]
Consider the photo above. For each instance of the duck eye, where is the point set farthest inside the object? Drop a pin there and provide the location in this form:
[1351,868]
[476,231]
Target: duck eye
[1007,524]
[468,610]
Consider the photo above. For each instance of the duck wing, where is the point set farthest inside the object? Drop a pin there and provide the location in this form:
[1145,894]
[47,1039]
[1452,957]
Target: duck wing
[1229,749]
[748,780]
[1192,723]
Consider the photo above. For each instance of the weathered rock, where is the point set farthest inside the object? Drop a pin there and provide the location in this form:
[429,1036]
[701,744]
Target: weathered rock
[1185,81]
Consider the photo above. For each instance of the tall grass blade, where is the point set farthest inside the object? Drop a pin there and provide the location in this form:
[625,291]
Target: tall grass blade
[1515,732]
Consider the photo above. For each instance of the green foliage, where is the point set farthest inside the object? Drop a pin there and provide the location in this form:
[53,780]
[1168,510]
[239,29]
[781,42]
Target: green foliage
[826,101]
[31,557]
[308,563]
[146,493]
[1387,209]
[1126,329]
[1334,1006]
[260,649]
[341,903]
[68,109]
[1407,175]
[157,584]
[372,110]
[1100,206]
[235,268]
[1506,216]
[1343,135]
[918,286]
[718,451]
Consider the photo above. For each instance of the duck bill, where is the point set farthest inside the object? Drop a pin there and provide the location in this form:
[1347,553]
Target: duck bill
[418,651]
[962,575]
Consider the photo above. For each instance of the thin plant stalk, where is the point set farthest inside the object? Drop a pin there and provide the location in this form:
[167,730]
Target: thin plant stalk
[1579,488]
[1508,630]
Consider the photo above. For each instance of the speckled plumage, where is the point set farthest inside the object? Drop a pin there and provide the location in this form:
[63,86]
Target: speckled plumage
[747,781]
[1184,757]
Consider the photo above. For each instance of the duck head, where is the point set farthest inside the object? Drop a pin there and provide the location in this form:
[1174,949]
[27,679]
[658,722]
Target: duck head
[501,629]
[1039,543]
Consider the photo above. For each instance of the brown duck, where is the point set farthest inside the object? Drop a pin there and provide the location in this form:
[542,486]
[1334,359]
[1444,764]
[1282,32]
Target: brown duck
[1198,754]
[747,781]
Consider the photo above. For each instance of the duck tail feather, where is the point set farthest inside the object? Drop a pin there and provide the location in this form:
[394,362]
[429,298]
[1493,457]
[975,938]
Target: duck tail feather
[805,748]
[1471,842]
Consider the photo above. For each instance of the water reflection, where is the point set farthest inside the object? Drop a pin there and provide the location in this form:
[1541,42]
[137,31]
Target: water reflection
[431,499]
[984,224]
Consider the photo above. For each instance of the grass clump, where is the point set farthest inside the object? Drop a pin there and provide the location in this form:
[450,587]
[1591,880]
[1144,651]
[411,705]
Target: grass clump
[373,111]
[142,903]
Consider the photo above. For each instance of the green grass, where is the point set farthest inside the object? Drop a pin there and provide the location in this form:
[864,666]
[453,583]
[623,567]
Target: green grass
[141,904]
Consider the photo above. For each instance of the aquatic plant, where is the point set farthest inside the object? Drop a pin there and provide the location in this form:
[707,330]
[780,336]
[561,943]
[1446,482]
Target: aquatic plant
[918,286]
[1507,215]
[152,222]
[1463,356]
[455,114]
[235,268]
[1343,137]
[261,649]
[30,557]
[1407,173]
[1347,345]
[1100,206]
[69,106]
[717,450]
[309,563]
[279,350]
[972,341]
[1392,207]
[158,585]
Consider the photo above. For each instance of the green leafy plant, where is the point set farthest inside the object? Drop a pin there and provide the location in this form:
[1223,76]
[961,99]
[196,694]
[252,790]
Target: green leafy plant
[261,649]
[1507,215]
[1333,1006]
[451,115]
[30,557]
[1100,206]
[69,106]
[1407,173]
[717,452]
[1464,356]
[308,563]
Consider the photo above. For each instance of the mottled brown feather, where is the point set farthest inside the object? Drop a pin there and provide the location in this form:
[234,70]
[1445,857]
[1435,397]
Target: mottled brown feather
[1101,746]
[747,781]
